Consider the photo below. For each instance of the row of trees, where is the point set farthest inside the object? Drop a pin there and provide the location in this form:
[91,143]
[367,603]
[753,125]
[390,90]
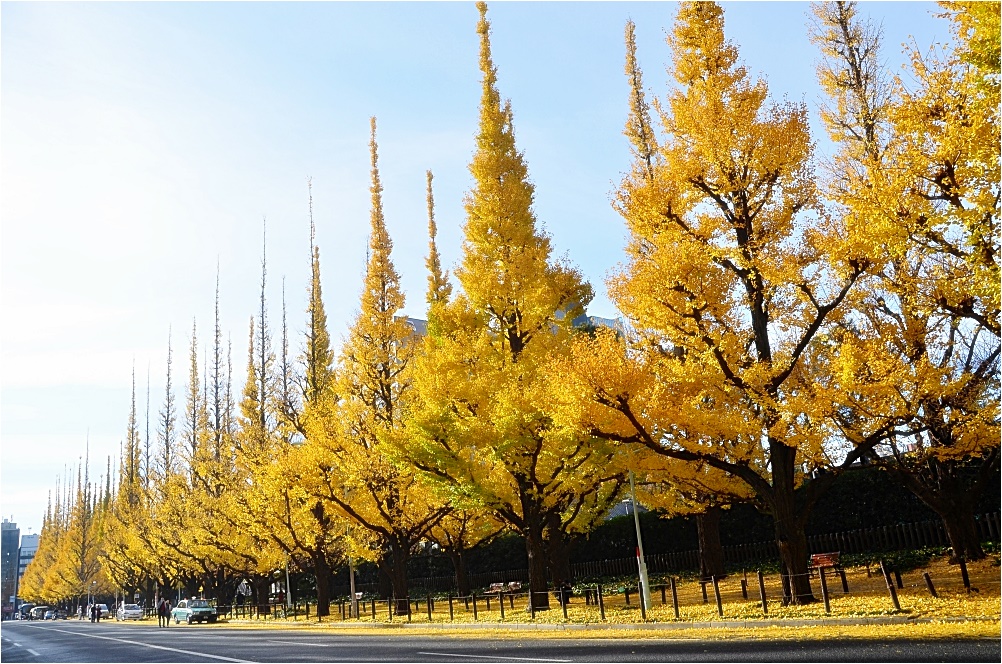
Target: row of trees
[785,321]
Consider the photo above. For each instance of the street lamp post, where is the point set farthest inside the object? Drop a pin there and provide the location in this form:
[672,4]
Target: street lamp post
[645,587]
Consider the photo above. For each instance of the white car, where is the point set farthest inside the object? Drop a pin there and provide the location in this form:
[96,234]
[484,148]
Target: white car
[130,612]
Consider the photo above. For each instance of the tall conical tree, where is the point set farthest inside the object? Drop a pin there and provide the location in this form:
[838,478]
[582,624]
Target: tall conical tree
[439,288]
[480,429]
[353,422]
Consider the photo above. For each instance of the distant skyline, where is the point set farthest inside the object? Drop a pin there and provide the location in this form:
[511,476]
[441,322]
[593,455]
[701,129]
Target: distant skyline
[144,143]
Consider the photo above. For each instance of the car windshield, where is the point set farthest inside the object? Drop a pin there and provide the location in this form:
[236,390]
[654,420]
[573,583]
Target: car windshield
[131,607]
[198,604]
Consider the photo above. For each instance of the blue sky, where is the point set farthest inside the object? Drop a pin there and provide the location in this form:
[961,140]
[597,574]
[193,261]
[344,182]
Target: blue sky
[142,143]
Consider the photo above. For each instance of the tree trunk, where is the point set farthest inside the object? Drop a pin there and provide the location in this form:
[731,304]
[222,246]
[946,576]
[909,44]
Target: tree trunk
[535,547]
[459,565]
[261,583]
[322,572]
[951,489]
[394,564]
[789,522]
[558,551]
[711,553]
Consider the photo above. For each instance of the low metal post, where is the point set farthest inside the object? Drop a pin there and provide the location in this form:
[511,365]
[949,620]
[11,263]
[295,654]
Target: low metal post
[474,595]
[450,608]
[845,583]
[532,605]
[716,594]
[897,579]
[744,588]
[761,593]
[963,575]
[429,608]
[928,584]
[890,587]
[563,602]
[824,592]
[674,597]
[664,600]
[373,609]
[389,607]
[702,587]
[601,604]
[626,593]
[501,604]
[643,605]
[408,609]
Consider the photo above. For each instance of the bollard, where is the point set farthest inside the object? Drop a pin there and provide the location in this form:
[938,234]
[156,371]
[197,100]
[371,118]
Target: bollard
[761,593]
[429,608]
[408,609]
[928,584]
[897,579]
[964,576]
[487,598]
[389,607]
[373,612]
[601,604]
[511,600]
[674,597]
[716,594]
[474,595]
[563,602]
[532,607]
[824,592]
[890,587]
[744,588]
[501,604]
[450,607]
[845,583]
[340,608]
[702,586]
[643,604]
[663,598]
[626,593]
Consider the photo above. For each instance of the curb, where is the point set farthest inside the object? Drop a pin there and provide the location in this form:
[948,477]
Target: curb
[674,626]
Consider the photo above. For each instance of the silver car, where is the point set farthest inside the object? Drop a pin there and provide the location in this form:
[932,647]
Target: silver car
[130,612]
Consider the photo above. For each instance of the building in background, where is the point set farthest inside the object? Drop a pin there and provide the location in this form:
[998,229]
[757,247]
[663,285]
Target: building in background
[10,539]
[29,546]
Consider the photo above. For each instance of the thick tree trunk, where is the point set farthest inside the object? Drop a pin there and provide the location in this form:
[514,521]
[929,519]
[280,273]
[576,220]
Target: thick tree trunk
[394,564]
[261,583]
[789,522]
[535,547]
[322,572]
[459,565]
[711,553]
[558,551]
[951,490]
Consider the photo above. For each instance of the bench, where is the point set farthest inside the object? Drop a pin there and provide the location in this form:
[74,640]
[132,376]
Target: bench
[821,561]
[510,587]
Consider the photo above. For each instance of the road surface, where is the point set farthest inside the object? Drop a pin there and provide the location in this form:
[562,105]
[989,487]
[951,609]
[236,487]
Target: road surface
[73,641]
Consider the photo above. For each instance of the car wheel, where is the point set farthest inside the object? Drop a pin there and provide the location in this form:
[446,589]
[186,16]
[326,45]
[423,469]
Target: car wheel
[189,620]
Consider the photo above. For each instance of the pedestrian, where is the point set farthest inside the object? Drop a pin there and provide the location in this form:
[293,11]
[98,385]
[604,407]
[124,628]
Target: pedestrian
[93,612]
[163,613]
[98,607]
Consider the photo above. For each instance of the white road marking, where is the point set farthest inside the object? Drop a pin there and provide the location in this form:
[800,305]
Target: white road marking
[298,643]
[516,659]
[16,644]
[33,652]
[148,645]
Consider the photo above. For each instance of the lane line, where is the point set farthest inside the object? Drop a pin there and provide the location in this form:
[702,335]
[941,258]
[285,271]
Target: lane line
[297,643]
[33,652]
[516,659]
[149,645]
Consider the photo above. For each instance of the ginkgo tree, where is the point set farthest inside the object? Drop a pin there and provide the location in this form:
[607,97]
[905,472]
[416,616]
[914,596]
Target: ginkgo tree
[734,271]
[919,173]
[478,430]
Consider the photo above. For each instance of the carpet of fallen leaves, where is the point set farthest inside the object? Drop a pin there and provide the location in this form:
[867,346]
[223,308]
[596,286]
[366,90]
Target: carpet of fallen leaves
[956,612]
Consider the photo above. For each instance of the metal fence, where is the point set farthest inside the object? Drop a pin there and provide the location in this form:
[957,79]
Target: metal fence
[867,540]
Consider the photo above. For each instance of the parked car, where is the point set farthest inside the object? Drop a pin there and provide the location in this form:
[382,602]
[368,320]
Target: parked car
[103,609]
[130,612]
[49,615]
[38,612]
[193,610]
[61,615]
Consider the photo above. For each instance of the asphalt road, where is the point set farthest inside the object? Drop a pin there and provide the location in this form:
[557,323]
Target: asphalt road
[72,641]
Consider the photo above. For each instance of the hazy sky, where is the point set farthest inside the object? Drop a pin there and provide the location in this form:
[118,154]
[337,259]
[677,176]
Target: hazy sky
[143,144]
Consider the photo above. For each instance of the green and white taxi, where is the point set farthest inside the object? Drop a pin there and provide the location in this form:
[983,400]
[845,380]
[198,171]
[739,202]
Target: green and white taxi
[192,611]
